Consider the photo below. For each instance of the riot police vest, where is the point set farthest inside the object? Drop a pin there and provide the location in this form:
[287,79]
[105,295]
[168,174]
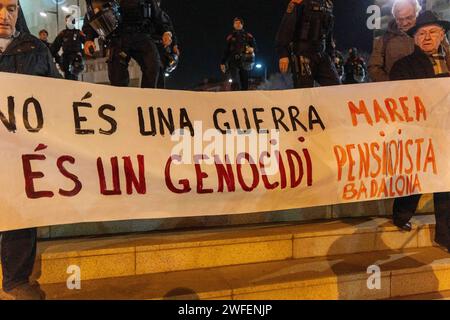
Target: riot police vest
[238,41]
[135,12]
[71,41]
[316,21]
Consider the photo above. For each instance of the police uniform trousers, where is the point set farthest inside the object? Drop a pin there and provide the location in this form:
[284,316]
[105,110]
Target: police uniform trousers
[404,209]
[319,68]
[239,76]
[18,252]
[140,47]
[161,83]
[67,60]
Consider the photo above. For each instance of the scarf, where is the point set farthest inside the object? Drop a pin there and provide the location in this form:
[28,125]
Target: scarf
[439,62]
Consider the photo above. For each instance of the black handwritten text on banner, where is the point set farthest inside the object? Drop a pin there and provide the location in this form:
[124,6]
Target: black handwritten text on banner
[76,152]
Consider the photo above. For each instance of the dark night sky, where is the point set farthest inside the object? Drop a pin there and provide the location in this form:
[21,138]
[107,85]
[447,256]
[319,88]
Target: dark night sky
[202,26]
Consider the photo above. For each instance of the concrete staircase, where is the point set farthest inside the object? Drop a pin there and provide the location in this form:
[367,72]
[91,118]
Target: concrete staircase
[320,260]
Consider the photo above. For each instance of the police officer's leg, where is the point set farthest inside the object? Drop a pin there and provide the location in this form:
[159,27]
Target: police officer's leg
[65,66]
[235,79]
[326,74]
[118,61]
[161,83]
[243,78]
[442,214]
[302,72]
[404,209]
[145,52]
[18,252]
[161,79]
[67,61]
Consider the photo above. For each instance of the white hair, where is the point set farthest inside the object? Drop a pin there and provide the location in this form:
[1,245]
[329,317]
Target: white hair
[413,3]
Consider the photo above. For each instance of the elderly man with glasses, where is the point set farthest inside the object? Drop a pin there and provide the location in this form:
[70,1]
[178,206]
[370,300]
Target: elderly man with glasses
[395,43]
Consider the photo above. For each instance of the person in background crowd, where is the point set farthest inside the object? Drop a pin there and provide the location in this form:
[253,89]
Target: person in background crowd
[240,45]
[395,43]
[339,62]
[427,61]
[43,36]
[71,41]
[355,70]
[20,53]
[305,37]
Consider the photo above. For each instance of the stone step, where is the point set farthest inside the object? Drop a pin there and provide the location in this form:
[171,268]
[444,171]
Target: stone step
[403,273]
[441,295]
[160,252]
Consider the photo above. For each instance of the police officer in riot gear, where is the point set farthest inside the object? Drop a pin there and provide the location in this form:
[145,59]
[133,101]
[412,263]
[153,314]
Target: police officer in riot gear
[239,56]
[355,70]
[128,26]
[71,41]
[305,42]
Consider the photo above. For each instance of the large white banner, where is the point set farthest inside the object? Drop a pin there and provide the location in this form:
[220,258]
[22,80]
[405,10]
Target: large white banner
[75,152]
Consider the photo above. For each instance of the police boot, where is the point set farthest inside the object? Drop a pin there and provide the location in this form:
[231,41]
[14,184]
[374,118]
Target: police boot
[25,291]
[442,241]
[444,245]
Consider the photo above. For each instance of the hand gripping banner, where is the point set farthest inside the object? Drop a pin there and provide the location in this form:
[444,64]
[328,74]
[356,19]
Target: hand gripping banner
[74,152]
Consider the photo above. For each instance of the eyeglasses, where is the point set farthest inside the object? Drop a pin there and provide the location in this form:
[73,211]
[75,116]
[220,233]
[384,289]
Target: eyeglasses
[434,33]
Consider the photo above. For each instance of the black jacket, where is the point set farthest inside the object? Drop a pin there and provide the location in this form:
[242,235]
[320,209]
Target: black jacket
[70,41]
[236,44]
[157,19]
[415,66]
[28,55]
[309,26]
